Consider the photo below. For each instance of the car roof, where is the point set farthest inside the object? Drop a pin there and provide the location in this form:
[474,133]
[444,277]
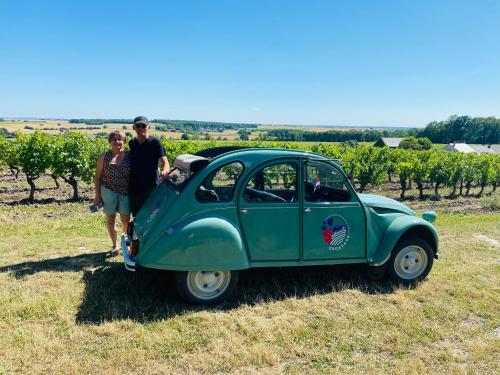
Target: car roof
[216,151]
[271,151]
[259,153]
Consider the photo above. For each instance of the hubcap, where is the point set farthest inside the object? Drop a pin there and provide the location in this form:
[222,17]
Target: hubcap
[410,262]
[208,285]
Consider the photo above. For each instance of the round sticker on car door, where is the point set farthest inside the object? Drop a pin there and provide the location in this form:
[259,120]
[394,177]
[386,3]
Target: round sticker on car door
[335,232]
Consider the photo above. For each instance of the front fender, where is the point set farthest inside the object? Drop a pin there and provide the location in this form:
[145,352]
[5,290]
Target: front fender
[395,231]
[210,243]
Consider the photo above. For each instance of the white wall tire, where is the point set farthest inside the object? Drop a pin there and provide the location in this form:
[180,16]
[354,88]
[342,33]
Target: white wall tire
[206,287]
[411,260]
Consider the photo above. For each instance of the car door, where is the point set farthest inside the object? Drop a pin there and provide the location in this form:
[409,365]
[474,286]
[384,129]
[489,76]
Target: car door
[333,219]
[269,212]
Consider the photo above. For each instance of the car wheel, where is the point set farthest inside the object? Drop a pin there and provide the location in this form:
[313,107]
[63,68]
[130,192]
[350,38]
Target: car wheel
[411,260]
[206,287]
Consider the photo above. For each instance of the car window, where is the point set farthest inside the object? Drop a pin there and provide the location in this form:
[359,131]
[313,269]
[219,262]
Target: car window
[274,183]
[324,183]
[219,185]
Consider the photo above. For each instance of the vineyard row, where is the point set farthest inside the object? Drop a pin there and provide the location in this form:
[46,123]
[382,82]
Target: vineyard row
[73,157]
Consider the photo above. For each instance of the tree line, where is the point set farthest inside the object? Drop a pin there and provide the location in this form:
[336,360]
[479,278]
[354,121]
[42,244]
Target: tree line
[172,125]
[480,130]
[298,135]
[72,157]
[475,130]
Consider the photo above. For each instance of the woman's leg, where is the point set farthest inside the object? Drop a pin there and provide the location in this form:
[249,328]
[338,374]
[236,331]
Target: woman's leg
[111,228]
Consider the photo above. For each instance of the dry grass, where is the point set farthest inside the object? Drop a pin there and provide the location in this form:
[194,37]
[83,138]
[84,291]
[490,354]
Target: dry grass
[68,309]
[52,127]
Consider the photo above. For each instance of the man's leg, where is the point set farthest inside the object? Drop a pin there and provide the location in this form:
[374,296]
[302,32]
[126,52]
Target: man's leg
[135,203]
[137,200]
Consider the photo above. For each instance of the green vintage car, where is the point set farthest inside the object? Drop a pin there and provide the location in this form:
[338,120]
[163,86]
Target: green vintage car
[229,209]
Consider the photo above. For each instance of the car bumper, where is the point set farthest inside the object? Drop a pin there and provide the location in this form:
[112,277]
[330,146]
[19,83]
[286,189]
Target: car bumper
[128,259]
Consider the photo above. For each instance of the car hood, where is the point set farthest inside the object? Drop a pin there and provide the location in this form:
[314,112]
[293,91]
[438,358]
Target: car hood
[385,204]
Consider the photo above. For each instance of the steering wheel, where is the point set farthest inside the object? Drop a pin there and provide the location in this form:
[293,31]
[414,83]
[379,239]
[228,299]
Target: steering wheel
[207,195]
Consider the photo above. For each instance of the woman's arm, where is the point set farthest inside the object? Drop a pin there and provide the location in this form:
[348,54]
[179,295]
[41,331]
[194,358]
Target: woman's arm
[98,178]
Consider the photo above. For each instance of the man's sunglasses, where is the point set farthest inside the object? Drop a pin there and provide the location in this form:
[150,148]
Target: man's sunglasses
[140,126]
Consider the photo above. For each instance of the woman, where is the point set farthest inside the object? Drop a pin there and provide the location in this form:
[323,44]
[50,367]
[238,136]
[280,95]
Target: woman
[112,185]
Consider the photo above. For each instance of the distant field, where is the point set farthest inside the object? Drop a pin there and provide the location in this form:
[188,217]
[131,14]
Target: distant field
[46,126]
[52,127]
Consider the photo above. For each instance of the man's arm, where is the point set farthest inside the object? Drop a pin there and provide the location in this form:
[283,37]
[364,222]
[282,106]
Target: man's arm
[165,167]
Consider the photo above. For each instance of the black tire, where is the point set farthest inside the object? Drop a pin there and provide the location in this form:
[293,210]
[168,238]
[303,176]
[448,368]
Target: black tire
[411,260]
[219,286]
[375,273]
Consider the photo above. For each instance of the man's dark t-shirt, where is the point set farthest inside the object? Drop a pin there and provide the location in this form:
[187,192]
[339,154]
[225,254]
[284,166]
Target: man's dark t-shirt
[144,159]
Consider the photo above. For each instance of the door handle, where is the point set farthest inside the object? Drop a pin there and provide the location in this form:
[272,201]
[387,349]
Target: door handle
[307,210]
[243,210]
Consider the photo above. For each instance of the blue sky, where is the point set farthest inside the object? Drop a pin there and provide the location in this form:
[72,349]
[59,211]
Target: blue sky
[382,63]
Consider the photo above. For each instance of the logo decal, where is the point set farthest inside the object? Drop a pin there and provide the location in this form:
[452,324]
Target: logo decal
[155,209]
[335,232]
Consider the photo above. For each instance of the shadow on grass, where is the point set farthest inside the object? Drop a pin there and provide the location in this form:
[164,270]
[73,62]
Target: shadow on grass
[112,293]
[63,264]
[43,201]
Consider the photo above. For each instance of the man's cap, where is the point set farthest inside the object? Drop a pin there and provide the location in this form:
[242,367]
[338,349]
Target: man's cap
[141,120]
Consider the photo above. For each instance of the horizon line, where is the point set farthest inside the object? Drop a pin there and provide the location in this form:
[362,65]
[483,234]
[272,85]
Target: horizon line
[34,118]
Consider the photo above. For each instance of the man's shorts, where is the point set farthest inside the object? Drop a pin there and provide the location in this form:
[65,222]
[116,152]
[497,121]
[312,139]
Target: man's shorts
[114,202]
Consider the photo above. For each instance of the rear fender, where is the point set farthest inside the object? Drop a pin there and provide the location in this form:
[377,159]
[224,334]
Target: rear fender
[207,243]
[401,227]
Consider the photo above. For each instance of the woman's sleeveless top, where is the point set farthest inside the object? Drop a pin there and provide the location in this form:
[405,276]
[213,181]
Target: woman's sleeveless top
[116,177]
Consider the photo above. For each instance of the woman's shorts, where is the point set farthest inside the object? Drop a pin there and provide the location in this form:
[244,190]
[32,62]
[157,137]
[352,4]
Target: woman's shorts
[114,202]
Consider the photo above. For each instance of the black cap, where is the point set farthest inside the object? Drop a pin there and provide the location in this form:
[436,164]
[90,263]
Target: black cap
[141,120]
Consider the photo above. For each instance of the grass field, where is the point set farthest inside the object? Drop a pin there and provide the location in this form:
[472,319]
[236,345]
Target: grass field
[66,308]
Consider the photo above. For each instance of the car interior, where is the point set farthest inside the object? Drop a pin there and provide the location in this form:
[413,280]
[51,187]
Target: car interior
[276,183]
[273,192]
[220,184]
[323,193]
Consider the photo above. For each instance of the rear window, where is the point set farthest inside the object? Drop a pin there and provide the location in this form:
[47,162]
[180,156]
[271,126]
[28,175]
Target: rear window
[219,185]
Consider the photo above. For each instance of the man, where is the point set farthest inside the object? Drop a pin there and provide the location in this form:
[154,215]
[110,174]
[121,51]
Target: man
[145,152]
